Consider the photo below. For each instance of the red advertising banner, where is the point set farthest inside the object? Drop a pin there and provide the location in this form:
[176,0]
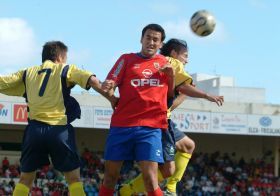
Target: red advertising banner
[20,113]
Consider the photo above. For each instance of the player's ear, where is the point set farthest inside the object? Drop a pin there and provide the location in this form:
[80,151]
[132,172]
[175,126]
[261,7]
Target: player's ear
[62,58]
[173,53]
[161,44]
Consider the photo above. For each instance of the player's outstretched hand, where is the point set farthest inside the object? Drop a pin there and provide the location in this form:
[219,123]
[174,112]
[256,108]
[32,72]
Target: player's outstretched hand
[219,100]
[107,85]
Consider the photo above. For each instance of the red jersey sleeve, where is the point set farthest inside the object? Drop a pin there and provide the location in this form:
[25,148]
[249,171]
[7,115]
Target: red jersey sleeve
[117,72]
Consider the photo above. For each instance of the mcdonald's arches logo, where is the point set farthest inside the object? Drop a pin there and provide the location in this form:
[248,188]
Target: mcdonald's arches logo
[20,113]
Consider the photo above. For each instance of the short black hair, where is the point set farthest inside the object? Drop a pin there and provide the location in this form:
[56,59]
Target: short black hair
[155,27]
[52,50]
[173,44]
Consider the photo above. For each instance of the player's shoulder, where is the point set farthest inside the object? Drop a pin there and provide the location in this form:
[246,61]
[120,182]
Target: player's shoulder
[71,68]
[48,65]
[160,56]
[174,62]
[128,55]
[127,58]
[33,68]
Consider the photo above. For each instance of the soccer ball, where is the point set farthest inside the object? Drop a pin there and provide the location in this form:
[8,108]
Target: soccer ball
[202,23]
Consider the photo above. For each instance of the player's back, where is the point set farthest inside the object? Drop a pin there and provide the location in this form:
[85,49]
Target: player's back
[44,93]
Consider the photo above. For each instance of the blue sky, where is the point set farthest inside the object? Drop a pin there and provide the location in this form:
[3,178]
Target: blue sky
[244,45]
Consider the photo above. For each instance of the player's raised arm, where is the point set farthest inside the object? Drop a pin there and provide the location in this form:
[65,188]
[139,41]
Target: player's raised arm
[107,92]
[12,85]
[192,91]
[179,99]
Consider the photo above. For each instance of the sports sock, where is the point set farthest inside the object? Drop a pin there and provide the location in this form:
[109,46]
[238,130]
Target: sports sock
[21,190]
[137,185]
[76,189]
[126,189]
[181,162]
[156,192]
[104,191]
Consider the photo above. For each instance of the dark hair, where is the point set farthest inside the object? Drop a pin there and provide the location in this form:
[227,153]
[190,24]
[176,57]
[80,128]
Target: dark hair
[154,27]
[173,44]
[52,50]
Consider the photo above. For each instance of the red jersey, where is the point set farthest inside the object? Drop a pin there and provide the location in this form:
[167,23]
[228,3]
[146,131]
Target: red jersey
[143,91]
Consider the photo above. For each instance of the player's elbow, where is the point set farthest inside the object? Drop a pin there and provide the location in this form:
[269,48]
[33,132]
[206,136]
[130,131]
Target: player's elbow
[184,89]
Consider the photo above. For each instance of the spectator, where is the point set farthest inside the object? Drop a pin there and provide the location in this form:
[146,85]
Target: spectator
[207,174]
[5,164]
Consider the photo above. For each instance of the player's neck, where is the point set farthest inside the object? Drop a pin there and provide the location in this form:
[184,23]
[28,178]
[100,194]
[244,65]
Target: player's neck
[59,62]
[140,54]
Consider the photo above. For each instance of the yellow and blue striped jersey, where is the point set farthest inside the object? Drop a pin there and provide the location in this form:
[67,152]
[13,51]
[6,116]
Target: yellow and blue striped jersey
[43,89]
[181,76]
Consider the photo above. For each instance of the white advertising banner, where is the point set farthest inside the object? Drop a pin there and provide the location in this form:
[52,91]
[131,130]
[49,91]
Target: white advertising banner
[185,120]
[86,118]
[264,125]
[102,117]
[5,113]
[228,123]
[189,121]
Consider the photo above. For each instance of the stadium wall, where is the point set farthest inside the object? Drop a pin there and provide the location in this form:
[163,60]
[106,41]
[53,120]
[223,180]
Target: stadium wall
[248,145]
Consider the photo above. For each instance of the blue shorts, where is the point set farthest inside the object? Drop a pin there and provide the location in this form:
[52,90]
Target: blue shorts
[168,144]
[169,139]
[134,143]
[178,135]
[41,140]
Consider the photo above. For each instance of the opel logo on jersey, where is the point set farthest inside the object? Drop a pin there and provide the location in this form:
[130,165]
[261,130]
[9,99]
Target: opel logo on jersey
[146,82]
[147,73]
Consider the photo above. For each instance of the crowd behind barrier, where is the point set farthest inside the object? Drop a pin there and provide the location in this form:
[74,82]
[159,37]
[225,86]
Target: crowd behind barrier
[207,174]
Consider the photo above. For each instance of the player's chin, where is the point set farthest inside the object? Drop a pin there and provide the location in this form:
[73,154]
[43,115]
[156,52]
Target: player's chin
[150,52]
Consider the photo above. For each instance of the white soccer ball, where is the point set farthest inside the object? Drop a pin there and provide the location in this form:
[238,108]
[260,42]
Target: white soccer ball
[202,23]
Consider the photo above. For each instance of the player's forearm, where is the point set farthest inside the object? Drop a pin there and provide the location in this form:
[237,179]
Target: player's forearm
[109,95]
[96,84]
[170,92]
[171,86]
[179,99]
[191,91]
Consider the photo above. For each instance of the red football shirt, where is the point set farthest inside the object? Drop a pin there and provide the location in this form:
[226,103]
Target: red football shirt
[143,91]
